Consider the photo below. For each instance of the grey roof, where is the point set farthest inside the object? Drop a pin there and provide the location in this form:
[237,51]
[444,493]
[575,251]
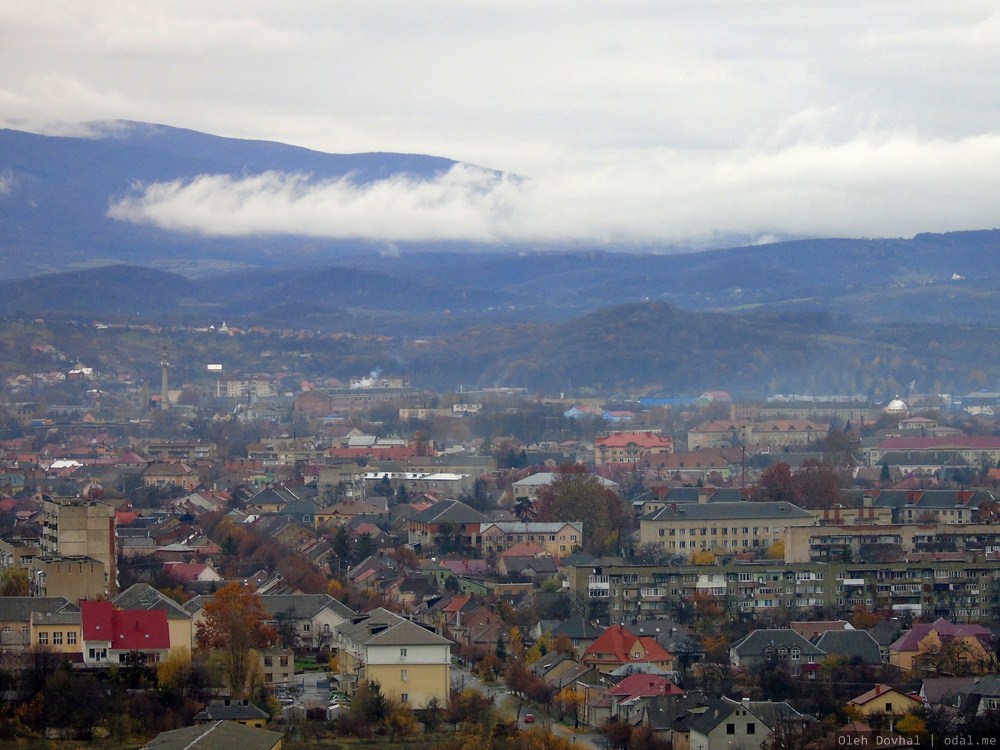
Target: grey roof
[360,629]
[222,710]
[144,597]
[305,606]
[578,628]
[19,608]
[726,511]
[885,632]
[759,641]
[948,691]
[851,644]
[987,685]
[222,735]
[518,563]
[449,511]
[406,633]
[717,712]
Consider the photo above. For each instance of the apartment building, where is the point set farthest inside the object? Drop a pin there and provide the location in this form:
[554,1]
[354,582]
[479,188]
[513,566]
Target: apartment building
[722,527]
[959,590]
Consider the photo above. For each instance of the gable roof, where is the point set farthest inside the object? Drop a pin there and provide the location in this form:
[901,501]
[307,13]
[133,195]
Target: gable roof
[448,511]
[222,735]
[618,642]
[759,642]
[645,685]
[851,644]
[910,639]
[305,606]
[125,630]
[406,633]
[880,691]
[143,596]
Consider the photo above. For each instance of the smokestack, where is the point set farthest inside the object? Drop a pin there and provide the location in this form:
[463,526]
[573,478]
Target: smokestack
[164,392]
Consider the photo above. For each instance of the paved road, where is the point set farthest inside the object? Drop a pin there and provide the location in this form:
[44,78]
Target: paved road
[507,703]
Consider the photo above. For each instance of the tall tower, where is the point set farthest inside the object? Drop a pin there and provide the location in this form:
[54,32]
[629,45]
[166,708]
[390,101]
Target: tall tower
[164,392]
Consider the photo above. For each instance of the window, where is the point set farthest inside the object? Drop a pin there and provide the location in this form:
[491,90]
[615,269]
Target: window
[751,728]
[730,729]
[57,638]
[306,627]
[71,638]
[404,675]
[888,707]
[402,653]
[404,697]
[43,639]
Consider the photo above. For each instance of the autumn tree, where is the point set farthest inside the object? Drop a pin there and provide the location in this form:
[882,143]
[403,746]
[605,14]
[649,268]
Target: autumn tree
[236,623]
[776,484]
[818,484]
[575,495]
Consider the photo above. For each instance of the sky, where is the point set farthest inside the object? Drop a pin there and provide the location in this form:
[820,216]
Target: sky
[650,123]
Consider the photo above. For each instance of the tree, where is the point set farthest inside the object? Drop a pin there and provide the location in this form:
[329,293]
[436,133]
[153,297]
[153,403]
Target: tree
[14,582]
[236,623]
[776,484]
[524,509]
[575,495]
[818,484]
[288,633]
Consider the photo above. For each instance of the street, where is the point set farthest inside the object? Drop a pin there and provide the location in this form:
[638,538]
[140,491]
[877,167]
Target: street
[507,705]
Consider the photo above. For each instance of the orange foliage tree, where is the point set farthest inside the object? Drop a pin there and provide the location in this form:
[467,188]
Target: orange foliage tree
[236,623]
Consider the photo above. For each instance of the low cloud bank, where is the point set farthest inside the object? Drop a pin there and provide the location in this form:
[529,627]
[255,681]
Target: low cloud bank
[891,186]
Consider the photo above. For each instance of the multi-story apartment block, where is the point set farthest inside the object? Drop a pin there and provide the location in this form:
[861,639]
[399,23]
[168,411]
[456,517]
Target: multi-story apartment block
[78,528]
[249,388]
[955,589]
[684,528]
[180,450]
[411,663]
[891,541]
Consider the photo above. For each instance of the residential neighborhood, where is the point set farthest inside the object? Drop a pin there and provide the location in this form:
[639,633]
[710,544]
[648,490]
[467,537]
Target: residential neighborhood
[645,577]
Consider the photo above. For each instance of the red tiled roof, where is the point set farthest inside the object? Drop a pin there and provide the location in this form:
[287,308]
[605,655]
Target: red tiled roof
[643,439]
[645,685]
[125,630]
[618,642]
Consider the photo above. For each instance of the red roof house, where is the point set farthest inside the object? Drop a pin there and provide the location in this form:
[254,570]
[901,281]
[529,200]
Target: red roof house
[616,647]
[110,635]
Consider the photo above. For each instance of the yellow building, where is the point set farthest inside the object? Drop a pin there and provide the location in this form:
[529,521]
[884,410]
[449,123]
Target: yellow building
[884,699]
[723,527]
[15,618]
[411,664]
[60,632]
[180,622]
[929,646]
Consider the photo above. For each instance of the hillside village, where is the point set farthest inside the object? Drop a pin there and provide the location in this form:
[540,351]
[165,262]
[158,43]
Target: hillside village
[687,572]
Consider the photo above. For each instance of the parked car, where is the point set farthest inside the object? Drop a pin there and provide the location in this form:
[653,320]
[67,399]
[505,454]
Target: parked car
[529,718]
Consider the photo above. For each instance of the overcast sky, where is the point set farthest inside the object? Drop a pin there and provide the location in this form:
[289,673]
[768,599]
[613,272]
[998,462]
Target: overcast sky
[649,122]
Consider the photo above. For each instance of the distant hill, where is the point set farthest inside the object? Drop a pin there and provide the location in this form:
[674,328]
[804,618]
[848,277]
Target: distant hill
[848,315]
[53,213]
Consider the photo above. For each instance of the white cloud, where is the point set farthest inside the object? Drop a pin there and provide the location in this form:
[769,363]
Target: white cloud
[881,187]
[636,120]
